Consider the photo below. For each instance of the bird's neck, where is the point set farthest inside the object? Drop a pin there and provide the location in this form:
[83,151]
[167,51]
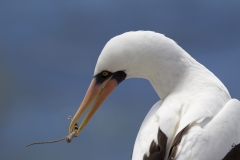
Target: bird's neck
[174,75]
[169,72]
[160,60]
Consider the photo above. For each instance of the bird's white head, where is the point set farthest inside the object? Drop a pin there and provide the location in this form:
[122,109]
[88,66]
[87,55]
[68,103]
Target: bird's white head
[139,54]
[142,54]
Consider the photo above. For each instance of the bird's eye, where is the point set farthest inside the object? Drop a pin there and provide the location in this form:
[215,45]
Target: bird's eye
[105,73]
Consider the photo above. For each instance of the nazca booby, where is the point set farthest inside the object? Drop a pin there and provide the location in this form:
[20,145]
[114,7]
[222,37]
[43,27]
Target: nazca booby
[196,118]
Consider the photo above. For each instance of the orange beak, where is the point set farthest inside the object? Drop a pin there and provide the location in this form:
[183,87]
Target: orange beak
[97,92]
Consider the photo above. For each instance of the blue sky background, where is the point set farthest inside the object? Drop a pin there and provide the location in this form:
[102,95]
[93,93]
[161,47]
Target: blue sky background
[48,51]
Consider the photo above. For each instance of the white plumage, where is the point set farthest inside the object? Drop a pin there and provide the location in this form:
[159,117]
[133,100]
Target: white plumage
[190,95]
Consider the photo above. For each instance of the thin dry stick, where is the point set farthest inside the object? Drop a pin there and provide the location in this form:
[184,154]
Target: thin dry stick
[47,142]
[68,137]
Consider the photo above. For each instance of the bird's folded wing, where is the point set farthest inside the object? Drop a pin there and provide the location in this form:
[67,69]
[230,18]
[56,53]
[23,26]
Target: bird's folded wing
[213,140]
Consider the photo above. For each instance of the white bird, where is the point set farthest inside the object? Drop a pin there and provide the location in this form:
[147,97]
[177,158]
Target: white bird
[196,118]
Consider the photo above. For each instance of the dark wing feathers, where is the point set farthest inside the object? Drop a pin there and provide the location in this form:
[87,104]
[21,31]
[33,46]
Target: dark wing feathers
[157,151]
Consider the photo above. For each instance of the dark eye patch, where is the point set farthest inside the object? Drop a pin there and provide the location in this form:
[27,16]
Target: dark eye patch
[102,76]
[119,76]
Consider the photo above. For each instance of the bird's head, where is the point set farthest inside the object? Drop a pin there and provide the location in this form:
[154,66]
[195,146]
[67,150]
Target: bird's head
[132,54]
[110,70]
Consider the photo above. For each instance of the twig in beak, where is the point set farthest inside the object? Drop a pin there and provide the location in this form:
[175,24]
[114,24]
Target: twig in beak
[46,142]
[72,134]
[68,137]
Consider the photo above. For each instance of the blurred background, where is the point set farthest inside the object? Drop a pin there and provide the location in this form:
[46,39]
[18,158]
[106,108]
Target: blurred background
[48,52]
